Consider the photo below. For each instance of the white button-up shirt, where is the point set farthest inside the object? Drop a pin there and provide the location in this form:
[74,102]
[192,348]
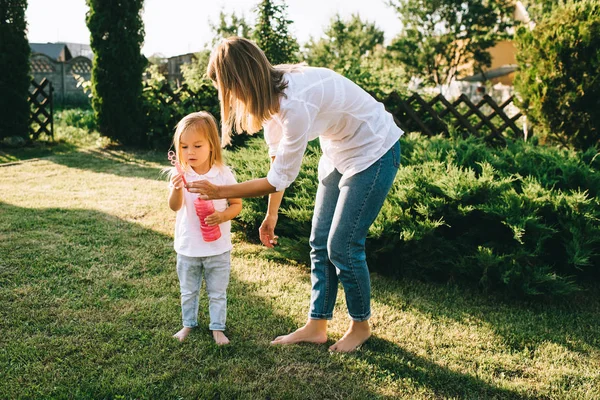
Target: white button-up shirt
[354,129]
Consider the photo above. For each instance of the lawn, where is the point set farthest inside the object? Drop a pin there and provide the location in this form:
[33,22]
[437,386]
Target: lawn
[89,301]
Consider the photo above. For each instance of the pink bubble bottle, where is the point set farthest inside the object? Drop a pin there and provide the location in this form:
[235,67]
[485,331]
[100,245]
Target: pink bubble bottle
[204,208]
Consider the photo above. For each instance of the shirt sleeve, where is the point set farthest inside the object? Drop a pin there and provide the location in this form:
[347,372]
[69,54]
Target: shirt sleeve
[296,119]
[229,176]
[273,136]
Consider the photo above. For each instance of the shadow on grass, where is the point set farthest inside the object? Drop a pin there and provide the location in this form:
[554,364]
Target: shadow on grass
[89,303]
[116,162]
[522,324]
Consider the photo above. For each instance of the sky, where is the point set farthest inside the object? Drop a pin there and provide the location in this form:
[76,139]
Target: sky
[176,27]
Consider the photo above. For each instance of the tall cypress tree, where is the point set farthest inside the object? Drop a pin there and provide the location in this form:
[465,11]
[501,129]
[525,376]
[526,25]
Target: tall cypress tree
[272,35]
[14,69]
[117,35]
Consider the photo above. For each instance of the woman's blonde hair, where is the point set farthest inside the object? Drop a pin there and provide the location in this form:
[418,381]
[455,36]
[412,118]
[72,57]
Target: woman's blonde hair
[204,122]
[249,86]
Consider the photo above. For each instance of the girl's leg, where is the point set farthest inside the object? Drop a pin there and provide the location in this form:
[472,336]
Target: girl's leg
[189,271]
[216,273]
[360,200]
[323,274]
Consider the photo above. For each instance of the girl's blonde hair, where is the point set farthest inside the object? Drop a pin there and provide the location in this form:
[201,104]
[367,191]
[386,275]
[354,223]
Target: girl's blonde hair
[249,86]
[205,123]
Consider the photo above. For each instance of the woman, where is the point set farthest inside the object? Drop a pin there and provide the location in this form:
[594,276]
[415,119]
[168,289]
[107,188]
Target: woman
[361,155]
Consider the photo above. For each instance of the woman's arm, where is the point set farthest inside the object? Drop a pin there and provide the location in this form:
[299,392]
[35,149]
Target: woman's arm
[254,188]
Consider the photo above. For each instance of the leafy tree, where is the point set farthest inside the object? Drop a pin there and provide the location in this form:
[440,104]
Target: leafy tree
[354,48]
[117,34]
[559,68]
[14,69]
[441,35]
[272,35]
[344,43]
[230,25]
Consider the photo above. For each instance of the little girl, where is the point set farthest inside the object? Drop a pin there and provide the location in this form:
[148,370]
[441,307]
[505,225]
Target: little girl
[198,151]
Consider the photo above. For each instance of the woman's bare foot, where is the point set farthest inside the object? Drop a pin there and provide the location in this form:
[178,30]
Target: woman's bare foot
[357,334]
[315,331]
[182,334]
[220,338]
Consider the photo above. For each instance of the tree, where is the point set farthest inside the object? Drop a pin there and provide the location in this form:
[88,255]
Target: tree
[441,35]
[354,48]
[229,25]
[14,70]
[272,35]
[344,43]
[559,68]
[117,34]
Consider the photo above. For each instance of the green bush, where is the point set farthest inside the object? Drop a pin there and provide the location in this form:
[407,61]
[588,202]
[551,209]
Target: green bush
[519,219]
[76,117]
[164,106]
[559,67]
[116,36]
[14,70]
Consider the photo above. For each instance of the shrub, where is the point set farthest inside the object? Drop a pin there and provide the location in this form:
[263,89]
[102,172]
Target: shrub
[519,219]
[164,106]
[117,34]
[14,70]
[559,68]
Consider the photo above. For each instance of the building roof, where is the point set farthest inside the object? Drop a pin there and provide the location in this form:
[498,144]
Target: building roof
[56,51]
[491,74]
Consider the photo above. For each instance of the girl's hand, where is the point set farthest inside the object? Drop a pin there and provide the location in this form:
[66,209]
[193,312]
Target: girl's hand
[177,181]
[215,218]
[267,231]
[205,189]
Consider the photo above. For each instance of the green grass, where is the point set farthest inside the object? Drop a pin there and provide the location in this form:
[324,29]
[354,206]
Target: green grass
[89,300]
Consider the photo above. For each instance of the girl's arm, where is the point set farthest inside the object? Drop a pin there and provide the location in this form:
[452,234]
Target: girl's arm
[218,217]
[176,193]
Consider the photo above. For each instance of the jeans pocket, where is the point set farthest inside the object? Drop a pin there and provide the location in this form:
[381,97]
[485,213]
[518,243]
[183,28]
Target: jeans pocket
[396,154]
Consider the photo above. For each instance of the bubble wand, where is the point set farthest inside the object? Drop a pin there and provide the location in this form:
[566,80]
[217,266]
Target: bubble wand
[203,208]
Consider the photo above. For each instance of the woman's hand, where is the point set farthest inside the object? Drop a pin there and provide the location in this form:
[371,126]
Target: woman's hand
[205,189]
[215,218]
[267,231]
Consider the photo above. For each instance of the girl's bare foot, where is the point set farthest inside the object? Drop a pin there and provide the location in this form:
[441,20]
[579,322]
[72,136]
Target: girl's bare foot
[182,334]
[220,338]
[357,334]
[315,331]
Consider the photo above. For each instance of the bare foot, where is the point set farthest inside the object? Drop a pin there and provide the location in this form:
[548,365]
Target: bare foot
[220,338]
[315,331]
[357,334]
[182,334]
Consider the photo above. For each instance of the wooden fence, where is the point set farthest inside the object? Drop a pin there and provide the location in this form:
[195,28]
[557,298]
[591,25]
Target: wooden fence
[41,109]
[486,118]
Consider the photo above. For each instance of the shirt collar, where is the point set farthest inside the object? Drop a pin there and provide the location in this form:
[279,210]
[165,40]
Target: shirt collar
[212,173]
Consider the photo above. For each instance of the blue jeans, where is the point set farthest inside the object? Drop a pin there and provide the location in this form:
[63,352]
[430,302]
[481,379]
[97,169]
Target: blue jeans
[216,272]
[345,208]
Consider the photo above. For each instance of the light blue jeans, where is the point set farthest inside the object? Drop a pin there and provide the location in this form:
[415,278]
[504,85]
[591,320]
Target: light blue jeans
[345,208]
[216,273]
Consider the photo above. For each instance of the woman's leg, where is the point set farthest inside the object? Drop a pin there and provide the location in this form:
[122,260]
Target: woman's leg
[323,274]
[360,200]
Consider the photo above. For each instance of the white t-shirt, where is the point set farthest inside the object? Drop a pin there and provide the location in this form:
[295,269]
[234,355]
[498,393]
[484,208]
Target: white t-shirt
[354,129]
[188,238]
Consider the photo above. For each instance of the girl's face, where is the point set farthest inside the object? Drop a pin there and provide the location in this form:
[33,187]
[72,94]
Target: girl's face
[195,150]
